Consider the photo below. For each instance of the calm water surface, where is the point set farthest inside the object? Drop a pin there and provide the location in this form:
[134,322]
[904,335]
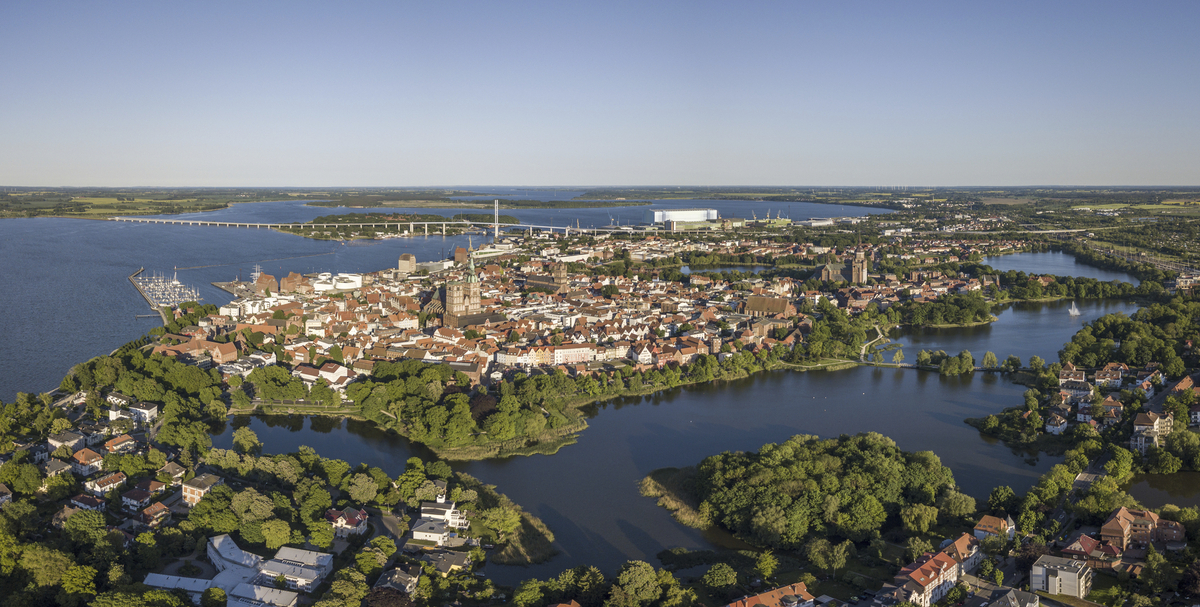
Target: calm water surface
[588,494]
[68,293]
[1058,264]
[1158,490]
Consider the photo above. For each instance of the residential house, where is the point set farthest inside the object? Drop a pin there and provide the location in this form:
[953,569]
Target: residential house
[1111,375]
[992,525]
[1056,424]
[1126,527]
[198,487]
[347,522]
[1075,392]
[446,512]
[966,552]
[1098,554]
[447,562]
[792,595]
[86,462]
[106,483]
[54,467]
[926,580]
[5,494]
[151,486]
[71,440]
[174,471]
[1114,410]
[121,444]
[1057,575]
[88,502]
[1015,598]
[1070,373]
[429,530]
[155,514]
[402,578]
[136,499]
[143,413]
[117,399]
[1149,430]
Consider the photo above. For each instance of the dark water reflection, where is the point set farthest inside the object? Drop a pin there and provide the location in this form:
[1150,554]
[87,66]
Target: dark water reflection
[1158,490]
[588,492]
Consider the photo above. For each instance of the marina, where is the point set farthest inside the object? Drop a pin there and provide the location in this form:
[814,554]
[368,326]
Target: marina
[160,291]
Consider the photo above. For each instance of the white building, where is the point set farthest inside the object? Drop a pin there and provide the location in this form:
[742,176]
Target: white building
[665,215]
[1055,575]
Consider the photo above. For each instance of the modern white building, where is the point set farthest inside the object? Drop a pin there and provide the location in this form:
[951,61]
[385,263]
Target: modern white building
[665,215]
[1055,575]
[247,580]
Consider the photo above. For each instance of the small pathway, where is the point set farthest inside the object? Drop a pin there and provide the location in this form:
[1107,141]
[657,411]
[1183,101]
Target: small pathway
[862,352]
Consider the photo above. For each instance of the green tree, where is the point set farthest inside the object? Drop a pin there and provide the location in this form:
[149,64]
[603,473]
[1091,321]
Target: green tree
[321,534]
[213,597]
[503,520]
[385,545]
[639,582]
[1002,500]
[827,555]
[958,504]
[276,533]
[44,565]
[916,546]
[246,441]
[363,488]
[918,518]
[898,356]
[79,582]
[766,564]
[989,360]
[1036,363]
[1157,572]
[720,576]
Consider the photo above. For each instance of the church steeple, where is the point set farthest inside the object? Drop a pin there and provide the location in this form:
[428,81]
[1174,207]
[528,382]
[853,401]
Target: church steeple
[471,276]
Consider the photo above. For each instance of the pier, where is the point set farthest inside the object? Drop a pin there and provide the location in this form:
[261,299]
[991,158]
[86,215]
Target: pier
[160,292]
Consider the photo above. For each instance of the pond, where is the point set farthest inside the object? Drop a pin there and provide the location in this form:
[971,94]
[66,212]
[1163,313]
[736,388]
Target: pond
[1158,490]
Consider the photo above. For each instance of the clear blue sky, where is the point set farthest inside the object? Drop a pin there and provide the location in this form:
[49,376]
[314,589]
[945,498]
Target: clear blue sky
[598,93]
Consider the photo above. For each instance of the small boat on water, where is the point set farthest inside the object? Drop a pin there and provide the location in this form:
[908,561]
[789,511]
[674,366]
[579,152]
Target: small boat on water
[1074,311]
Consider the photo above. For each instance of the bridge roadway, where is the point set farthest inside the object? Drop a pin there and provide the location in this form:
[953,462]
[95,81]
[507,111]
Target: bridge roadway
[412,225]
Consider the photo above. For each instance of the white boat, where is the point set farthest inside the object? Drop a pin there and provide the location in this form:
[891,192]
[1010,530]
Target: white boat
[1074,311]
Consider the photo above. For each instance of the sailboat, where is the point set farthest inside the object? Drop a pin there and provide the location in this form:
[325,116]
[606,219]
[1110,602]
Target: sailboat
[1074,311]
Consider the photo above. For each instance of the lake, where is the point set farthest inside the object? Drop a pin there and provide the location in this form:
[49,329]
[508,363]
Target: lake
[1158,490]
[1025,329]
[1056,263]
[587,492]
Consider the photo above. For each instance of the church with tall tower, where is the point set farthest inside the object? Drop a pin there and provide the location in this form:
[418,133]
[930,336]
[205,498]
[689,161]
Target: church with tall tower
[462,299]
[853,271]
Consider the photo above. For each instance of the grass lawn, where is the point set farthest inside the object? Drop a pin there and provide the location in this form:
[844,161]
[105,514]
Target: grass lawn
[1105,587]
[1067,600]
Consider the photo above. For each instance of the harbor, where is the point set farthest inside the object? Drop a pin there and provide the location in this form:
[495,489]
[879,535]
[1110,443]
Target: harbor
[162,292]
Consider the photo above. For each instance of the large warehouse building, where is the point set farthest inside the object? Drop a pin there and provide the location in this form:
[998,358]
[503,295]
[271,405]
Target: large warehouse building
[665,215]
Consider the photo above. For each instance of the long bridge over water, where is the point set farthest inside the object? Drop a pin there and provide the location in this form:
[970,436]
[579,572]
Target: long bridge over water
[412,226]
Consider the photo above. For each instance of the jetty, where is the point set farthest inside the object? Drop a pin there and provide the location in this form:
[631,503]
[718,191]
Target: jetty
[161,292]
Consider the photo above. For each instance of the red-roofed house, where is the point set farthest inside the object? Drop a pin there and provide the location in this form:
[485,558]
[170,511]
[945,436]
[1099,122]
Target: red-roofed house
[794,595]
[347,522]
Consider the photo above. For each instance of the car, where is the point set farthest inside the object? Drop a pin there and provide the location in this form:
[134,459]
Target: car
[854,599]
